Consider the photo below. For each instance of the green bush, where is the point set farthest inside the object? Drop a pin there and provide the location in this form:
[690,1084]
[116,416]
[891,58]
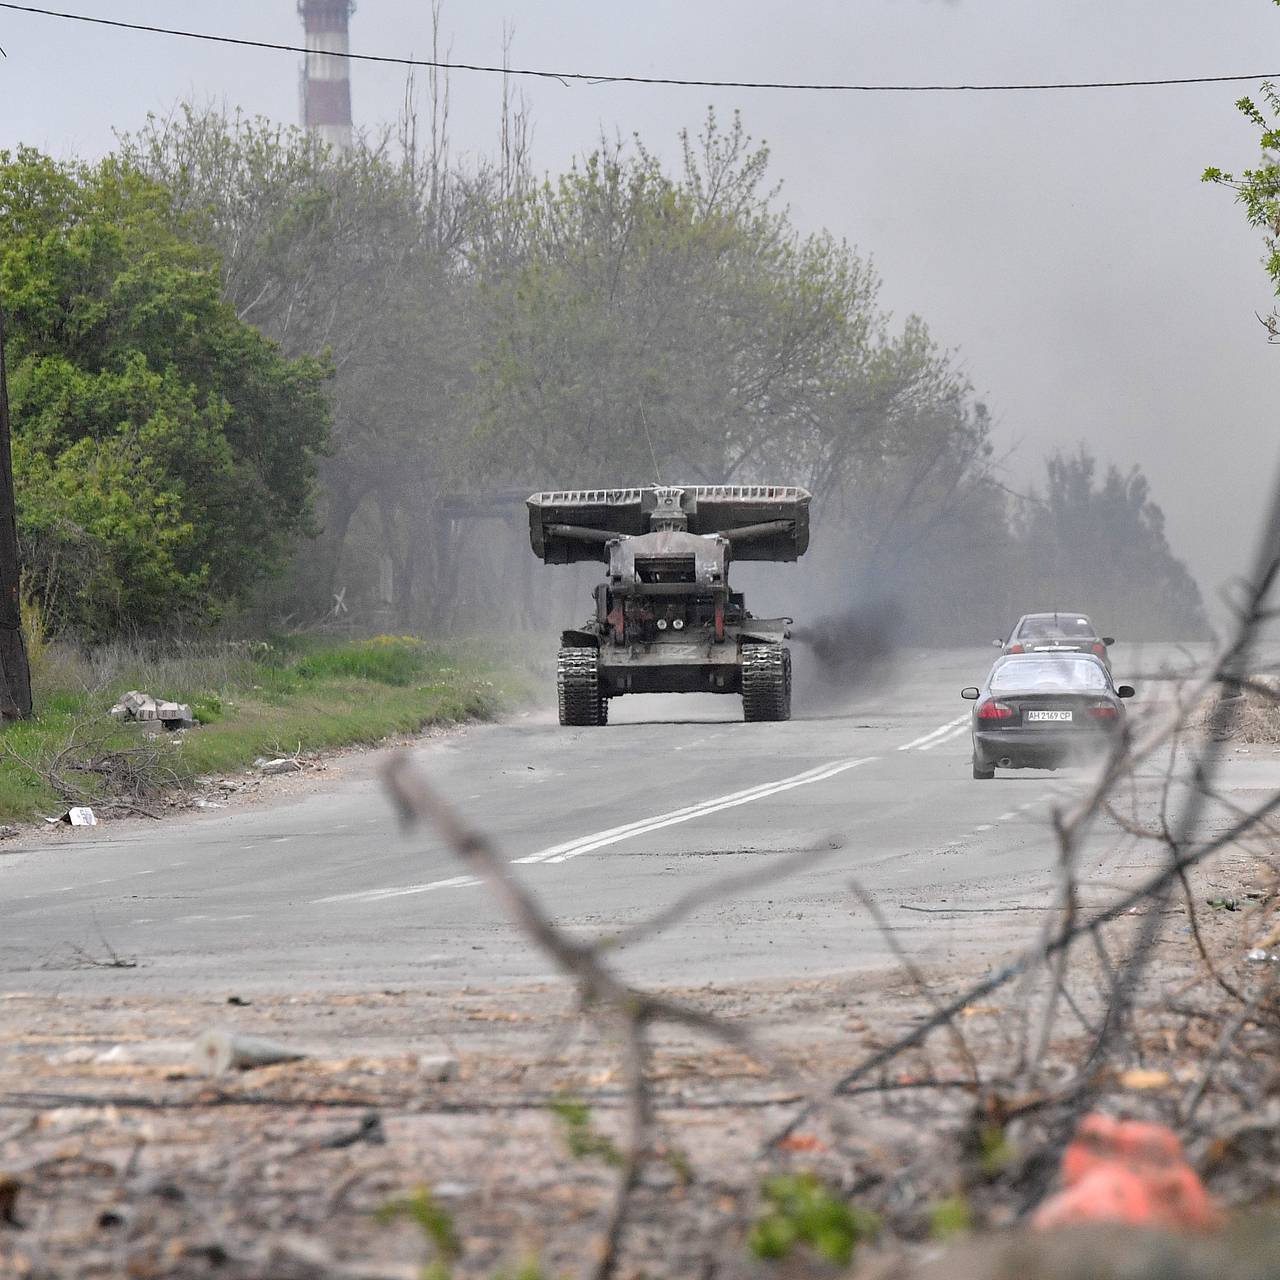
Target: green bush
[300,694]
[801,1210]
[398,662]
[164,450]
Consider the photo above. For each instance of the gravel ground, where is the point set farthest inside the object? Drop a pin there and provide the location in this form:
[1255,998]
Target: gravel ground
[122,1160]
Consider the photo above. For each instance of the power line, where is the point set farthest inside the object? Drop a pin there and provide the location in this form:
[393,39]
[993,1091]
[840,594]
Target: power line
[566,77]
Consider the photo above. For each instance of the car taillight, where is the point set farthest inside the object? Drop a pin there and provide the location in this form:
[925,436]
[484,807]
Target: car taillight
[1100,649]
[993,710]
[1015,648]
[1103,711]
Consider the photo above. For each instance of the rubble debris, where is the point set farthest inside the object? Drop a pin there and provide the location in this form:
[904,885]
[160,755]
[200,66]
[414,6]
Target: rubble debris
[370,1130]
[136,705]
[1144,1078]
[77,816]
[1130,1171]
[148,1053]
[9,1188]
[285,764]
[437,1067]
[218,1051]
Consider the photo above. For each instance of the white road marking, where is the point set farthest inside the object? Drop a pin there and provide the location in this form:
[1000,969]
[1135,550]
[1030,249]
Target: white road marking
[957,732]
[951,724]
[377,895]
[628,831]
[586,844]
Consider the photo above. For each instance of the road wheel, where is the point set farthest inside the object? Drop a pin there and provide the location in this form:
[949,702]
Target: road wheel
[578,687]
[766,682]
[985,774]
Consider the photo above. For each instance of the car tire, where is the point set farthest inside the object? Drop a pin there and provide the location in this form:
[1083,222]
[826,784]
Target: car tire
[985,773]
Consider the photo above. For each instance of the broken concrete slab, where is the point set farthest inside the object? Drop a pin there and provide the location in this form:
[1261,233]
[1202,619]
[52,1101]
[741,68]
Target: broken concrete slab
[437,1067]
[136,705]
[80,816]
[175,715]
[284,764]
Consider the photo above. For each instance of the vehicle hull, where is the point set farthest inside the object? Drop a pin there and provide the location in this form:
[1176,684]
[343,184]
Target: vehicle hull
[699,664]
[670,668]
[666,619]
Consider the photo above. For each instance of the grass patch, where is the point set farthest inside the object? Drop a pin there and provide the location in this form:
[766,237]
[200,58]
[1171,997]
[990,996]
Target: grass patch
[250,699]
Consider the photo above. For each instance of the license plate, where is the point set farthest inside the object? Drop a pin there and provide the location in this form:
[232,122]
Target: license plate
[1048,715]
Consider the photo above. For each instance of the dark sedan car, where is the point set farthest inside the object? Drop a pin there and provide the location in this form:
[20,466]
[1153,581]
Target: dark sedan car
[1061,632]
[1040,711]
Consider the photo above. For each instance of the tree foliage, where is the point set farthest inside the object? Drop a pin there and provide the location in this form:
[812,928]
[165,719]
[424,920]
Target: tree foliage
[1098,544]
[1258,189]
[680,324]
[488,333]
[358,255]
[650,322]
[164,450]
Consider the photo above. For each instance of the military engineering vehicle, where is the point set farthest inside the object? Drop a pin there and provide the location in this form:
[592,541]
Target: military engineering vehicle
[666,620]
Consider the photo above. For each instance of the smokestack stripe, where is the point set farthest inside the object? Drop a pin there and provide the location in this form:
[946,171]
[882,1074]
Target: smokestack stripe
[326,88]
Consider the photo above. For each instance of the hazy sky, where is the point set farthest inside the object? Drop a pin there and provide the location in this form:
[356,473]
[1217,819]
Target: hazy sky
[1062,242]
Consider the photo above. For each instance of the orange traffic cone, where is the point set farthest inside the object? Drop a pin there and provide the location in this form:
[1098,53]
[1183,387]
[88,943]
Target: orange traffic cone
[1127,1171]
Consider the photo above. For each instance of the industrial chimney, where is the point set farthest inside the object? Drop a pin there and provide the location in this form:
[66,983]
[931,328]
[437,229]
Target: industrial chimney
[326,84]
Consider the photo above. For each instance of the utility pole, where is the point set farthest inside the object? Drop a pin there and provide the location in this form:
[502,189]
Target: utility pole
[15,673]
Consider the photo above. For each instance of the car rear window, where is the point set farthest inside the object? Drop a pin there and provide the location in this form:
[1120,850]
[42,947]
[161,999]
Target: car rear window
[1063,624]
[1050,675]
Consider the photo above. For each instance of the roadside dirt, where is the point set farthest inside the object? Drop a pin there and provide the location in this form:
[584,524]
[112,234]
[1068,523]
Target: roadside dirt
[320,772]
[118,1159]
[122,1161]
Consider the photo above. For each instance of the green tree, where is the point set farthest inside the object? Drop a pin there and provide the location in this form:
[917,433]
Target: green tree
[1258,189]
[164,451]
[358,256]
[649,322]
[679,324]
[1101,547]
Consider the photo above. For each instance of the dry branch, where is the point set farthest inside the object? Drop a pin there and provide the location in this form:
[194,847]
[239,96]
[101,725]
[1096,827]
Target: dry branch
[92,768]
[600,989]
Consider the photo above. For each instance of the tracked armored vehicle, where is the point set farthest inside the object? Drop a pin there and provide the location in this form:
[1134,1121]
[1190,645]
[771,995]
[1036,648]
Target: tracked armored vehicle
[666,620]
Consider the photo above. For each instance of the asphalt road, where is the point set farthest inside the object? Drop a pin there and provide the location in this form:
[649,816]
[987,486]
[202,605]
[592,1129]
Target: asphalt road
[323,891]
